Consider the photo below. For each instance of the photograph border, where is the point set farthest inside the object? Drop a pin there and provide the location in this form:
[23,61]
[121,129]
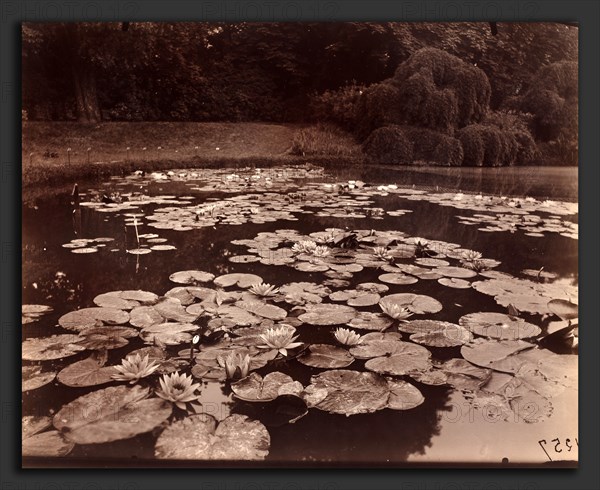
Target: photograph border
[13,12]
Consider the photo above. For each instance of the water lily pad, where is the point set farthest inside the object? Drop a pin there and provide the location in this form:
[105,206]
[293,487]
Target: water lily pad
[92,317]
[350,392]
[199,438]
[238,279]
[170,333]
[403,395]
[463,375]
[31,313]
[371,321]
[172,309]
[84,250]
[191,277]
[327,314]
[255,388]
[33,378]
[145,316]
[499,326]
[50,348]
[445,335]
[32,425]
[50,444]
[397,278]
[244,259]
[89,372]
[417,303]
[263,310]
[111,414]
[527,296]
[452,282]
[107,337]
[114,300]
[563,309]
[134,251]
[457,272]
[326,356]
[493,353]
[301,293]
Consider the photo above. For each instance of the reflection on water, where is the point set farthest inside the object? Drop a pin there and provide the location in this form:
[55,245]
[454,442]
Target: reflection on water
[432,432]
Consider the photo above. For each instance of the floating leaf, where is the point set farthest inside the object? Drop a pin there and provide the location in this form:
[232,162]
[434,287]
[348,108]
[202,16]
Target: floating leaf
[172,309]
[563,309]
[51,444]
[416,303]
[111,414]
[199,438]
[108,337]
[371,321]
[499,326]
[32,425]
[326,356]
[327,314]
[255,388]
[49,348]
[455,283]
[145,316]
[33,378]
[170,333]
[241,280]
[444,335]
[114,300]
[301,293]
[493,353]
[191,277]
[349,392]
[89,372]
[263,310]
[397,278]
[458,272]
[403,395]
[92,317]
[463,375]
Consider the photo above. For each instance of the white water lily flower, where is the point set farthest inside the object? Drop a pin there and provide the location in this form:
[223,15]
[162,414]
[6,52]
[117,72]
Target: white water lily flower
[281,339]
[471,255]
[381,253]
[321,251]
[396,312]
[304,246]
[236,365]
[264,289]
[178,388]
[347,337]
[134,368]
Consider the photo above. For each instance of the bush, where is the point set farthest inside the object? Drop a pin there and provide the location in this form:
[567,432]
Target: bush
[440,91]
[388,145]
[323,139]
[431,146]
[488,146]
[517,124]
[377,107]
[338,106]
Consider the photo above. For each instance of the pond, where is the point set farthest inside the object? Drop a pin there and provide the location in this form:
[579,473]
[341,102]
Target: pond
[297,316]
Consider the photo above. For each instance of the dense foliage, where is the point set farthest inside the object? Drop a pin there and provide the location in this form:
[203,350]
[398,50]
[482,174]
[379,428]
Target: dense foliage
[361,76]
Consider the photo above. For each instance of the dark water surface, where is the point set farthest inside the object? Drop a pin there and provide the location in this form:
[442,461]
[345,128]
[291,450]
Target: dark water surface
[443,429]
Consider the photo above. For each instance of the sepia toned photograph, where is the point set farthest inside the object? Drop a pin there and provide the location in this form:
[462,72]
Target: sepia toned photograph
[299,244]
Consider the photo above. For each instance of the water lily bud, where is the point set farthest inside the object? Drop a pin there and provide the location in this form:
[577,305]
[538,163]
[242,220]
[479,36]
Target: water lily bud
[196,339]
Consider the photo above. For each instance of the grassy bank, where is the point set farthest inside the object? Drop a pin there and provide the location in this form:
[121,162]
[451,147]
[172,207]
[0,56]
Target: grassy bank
[61,152]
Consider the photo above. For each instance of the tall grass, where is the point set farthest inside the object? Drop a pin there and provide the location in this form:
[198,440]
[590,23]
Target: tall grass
[322,140]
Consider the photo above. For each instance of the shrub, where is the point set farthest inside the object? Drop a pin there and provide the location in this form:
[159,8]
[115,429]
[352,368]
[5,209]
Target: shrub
[440,91]
[517,125]
[388,145]
[488,146]
[323,139]
[377,107]
[434,147]
[338,106]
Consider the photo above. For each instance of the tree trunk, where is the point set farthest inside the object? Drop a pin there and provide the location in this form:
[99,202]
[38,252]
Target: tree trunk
[86,97]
